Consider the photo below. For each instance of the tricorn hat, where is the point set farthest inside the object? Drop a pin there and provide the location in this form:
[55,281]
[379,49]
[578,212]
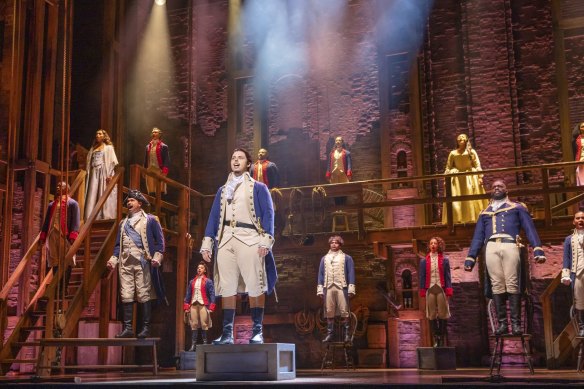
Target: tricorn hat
[136,194]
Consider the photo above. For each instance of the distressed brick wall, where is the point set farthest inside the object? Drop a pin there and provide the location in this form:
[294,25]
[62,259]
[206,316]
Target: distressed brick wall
[5,73]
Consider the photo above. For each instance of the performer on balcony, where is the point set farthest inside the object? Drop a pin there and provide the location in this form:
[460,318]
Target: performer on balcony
[336,285]
[156,159]
[60,229]
[577,143]
[465,159]
[241,230]
[436,287]
[498,228]
[101,167]
[199,303]
[138,250]
[573,267]
[339,168]
[266,171]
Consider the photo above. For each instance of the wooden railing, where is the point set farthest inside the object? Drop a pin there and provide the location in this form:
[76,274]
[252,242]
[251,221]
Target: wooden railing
[189,202]
[543,184]
[24,264]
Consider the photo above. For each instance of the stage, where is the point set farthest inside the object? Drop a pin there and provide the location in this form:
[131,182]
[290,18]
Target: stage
[337,378]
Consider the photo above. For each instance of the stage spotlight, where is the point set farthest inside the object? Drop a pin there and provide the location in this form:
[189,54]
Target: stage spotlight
[160,2]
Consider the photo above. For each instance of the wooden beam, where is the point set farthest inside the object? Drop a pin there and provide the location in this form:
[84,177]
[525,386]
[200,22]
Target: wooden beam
[182,268]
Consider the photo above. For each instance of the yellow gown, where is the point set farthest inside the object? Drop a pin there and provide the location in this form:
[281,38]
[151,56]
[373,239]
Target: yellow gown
[465,211]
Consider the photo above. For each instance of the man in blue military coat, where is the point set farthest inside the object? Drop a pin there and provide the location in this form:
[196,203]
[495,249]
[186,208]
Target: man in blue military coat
[573,267]
[138,251]
[240,230]
[498,228]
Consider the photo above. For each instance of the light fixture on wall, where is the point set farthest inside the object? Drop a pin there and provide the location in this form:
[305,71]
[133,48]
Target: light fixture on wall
[160,2]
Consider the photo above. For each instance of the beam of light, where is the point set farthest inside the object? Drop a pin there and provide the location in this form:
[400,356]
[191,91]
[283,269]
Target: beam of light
[160,2]
[151,80]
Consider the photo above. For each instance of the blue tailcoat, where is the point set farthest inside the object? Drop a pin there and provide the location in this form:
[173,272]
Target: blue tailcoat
[264,211]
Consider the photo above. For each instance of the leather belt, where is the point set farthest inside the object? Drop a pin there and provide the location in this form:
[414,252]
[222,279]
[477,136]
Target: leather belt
[502,240]
[234,223]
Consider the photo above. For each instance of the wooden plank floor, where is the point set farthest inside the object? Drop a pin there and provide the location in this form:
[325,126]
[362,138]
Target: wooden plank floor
[337,378]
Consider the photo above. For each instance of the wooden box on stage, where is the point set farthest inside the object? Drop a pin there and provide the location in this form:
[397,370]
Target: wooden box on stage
[187,360]
[246,362]
[437,358]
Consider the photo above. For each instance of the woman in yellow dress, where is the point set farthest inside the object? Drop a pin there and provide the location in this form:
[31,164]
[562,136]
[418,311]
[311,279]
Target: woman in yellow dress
[465,159]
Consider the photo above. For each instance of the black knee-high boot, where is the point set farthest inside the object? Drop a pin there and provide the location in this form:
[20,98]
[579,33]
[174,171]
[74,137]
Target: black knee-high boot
[227,335]
[436,332]
[127,331]
[580,316]
[204,336]
[515,307]
[330,330]
[194,340]
[442,323]
[257,317]
[146,316]
[500,301]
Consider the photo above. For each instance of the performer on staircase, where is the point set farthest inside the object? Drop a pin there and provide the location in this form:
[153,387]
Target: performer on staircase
[138,250]
[156,159]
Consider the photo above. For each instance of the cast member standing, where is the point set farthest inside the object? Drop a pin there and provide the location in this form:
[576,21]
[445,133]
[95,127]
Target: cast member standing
[266,171]
[241,230]
[339,168]
[465,159]
[573,267]
[60,229]
[436,287]
[498,227]
[101,165]
[138,251]
[200,303]
[156,159]
[336,285]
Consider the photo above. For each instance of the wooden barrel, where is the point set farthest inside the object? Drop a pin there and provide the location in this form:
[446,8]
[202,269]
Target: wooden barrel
[376,336]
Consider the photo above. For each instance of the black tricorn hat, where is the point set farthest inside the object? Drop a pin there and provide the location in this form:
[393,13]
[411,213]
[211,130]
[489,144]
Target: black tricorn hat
[136,194]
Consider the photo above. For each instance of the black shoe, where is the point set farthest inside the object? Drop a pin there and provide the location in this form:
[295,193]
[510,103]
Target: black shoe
[515,307]
[227,335]
[128,312]
[257,317]
[146,315]
[500,301]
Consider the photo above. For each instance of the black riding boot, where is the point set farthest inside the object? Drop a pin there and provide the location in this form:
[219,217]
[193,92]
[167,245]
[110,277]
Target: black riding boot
[330,331]
[348,339]
[500,301]
[204,336]
[442,324]
[227,335]
[257,317]
[515,307]
[580,317]
[194,340]
[146,315]
[436,332]
[127,331]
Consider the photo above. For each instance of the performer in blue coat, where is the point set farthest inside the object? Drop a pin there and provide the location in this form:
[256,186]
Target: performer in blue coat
[138,250]
[436,287]
[498,228]
[573,267]
[240,230]
[336,285]
[199,303]
[266,171]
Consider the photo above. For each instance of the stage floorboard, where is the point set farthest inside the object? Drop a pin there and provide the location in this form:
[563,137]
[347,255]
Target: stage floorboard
[337,378]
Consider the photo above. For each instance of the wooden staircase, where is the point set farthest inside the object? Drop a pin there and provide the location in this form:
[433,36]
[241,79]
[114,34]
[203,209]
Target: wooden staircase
[50,304]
